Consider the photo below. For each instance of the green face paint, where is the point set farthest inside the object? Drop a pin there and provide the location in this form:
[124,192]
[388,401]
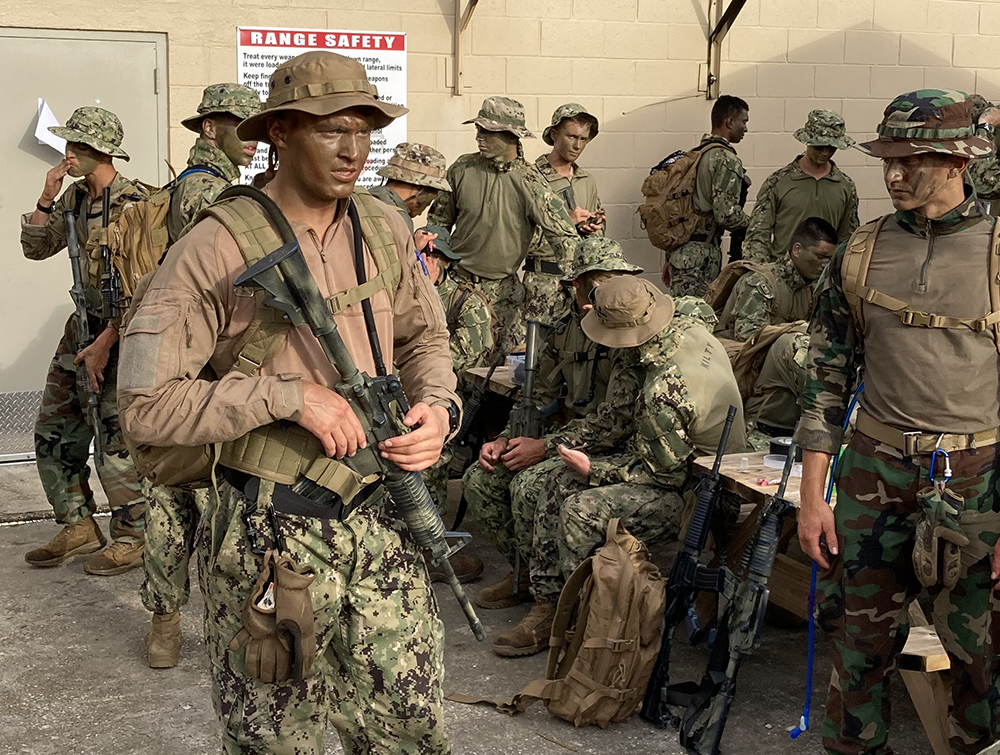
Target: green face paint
[83,159]
[238,151]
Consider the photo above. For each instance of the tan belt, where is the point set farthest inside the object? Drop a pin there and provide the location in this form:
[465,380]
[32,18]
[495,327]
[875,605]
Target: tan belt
[915,443]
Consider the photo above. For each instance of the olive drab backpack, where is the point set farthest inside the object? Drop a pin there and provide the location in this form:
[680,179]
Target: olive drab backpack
[256,238]
[668,214]
[605,638]
[854,275]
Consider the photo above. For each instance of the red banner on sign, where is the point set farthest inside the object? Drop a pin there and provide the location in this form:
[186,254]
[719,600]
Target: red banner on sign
[322,40]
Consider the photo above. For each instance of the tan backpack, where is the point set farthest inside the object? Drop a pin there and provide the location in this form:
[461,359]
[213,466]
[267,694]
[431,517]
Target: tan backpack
[668,214]
[749,359]
[722,287]
[605,638]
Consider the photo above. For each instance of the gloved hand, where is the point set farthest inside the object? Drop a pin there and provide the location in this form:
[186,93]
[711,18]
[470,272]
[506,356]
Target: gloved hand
[294,615]
[267,658]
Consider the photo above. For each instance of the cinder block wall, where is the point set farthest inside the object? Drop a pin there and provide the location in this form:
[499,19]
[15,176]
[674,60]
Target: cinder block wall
[633,63]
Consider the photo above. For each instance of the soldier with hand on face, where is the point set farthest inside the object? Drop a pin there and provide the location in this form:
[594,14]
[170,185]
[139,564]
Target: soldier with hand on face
[63,432]
[415,175]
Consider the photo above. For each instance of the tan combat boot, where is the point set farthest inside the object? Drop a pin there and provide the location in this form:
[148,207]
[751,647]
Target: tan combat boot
[502,595]
[163,641]
[530,636]
[117,558]
[83,537]
[466,566]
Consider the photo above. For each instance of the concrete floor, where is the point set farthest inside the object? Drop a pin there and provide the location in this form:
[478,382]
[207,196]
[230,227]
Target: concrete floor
[74,678]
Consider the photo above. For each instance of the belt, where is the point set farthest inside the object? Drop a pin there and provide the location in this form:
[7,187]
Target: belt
[702,237]
[287,501]
[461,272]
[532,265]
[917,442]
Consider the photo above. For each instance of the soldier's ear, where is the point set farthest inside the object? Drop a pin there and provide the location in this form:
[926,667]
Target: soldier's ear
[796,251]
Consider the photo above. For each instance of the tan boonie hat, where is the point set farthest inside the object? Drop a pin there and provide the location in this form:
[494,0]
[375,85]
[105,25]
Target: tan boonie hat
[627,312]
[95,127]
[417,164]
[600,254]
[569,110]
[502,114]
[319,83]
[233,99]
[929,121]
[824,128]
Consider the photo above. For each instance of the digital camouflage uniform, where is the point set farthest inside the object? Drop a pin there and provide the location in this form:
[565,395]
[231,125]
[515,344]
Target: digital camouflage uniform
[941,384]
[415,164]
[984,173]
[492,210]
[172,513]
[546,297]
[773,295]
[718,198]
[63,433]
[790,195]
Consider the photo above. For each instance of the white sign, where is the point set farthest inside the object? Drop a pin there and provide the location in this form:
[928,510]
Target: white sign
[45,119]
[383,54]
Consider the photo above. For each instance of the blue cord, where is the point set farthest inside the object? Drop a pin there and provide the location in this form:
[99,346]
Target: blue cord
[804,720]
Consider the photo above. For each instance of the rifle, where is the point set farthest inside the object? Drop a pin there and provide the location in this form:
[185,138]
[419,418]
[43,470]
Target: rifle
[378,402]
[687,578]
[526,419]
[476,400]
[737,237]
[83,335]
[739,633]
[111,286]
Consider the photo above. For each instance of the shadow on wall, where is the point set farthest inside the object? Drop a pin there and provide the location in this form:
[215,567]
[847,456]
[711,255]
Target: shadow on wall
[15,375]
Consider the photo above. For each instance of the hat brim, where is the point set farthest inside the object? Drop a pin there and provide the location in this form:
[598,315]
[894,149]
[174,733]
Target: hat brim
[194,122]
[601,267]
[636,335]
[520,131]
[812,140]
[394,173]
[106,148]
[970,147]
[254,128]
[591,119]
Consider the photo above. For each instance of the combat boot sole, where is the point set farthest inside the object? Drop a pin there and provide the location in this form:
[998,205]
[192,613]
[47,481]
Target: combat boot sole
[80,550]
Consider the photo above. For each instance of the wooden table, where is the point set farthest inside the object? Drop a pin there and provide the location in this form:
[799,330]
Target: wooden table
[500,382]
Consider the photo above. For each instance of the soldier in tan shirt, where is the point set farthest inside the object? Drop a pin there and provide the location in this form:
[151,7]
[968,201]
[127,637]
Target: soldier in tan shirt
[378,639]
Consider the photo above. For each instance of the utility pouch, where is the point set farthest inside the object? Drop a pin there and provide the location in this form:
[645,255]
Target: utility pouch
[937,552]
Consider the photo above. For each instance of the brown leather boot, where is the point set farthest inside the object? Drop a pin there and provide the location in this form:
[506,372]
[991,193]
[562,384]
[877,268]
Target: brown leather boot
[530,636]
[117,558]
[83,537]
[163,641]
[502,595]
[467,567]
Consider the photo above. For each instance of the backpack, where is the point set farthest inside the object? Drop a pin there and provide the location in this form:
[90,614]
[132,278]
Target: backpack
[722,287]
[605,638]
[748,360]
[256,238]
[668,214]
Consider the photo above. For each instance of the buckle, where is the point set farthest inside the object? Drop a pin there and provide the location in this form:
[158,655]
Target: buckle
[917,319]
[620,646]
[910,443]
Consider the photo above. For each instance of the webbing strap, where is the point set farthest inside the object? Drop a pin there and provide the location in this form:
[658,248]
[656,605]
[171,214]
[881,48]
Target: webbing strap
[568,599]
[854,267]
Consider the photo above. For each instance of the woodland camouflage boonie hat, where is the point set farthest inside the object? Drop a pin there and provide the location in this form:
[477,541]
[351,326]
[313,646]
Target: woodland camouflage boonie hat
[569,110]
[442,244]
[928,121]
[417,164]
[95,127]
[234,99]
[502,114]
[599,253]
[824,128]
[319,83]
[627,312]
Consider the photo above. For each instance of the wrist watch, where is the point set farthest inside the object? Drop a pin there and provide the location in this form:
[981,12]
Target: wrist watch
[452,408]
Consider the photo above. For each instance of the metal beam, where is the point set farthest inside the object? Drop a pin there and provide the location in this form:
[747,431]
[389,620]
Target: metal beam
[723,23]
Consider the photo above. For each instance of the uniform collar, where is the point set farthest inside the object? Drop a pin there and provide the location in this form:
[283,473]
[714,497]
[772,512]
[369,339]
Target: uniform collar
[966,215]
[705,138]
[203,153]
[546,169]
[504,166]
[797,174]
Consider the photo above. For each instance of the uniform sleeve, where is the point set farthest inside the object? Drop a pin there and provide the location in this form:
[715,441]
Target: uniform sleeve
[849,220]
[444,211]
[39,242]
[753,302]
[727,184]
[547,211]
[757,245]
[834,345]
[163,399]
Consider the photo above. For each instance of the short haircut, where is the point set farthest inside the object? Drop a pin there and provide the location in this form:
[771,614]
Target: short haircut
[727,106]
[580,120]
[813,231]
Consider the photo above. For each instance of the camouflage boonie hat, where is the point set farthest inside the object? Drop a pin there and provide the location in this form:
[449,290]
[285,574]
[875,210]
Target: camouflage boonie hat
[928,121]
[502,114]
[417,164]
[95,127]
[824,128]
[234,99]
[442,243]
[627,312]
[569,110]
[599,253]
[319,83]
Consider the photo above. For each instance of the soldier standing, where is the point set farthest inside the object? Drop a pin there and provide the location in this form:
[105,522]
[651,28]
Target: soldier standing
[172,514]
[62,433]
[720,191]
[497,201]
[810,186]
[572,129]
[356,583]
[913,299]
[415,175]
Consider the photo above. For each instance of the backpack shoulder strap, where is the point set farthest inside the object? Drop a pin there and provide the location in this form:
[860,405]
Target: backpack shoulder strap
[462,294]
[377,234]
[854,267]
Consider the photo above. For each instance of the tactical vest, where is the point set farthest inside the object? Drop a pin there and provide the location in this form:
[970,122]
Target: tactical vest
[585,366]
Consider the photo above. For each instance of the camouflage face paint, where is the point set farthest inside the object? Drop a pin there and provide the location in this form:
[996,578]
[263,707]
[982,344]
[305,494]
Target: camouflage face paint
[914,181]
[83,159]
[239,152]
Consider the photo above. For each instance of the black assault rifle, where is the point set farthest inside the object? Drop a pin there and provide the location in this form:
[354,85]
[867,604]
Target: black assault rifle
[525,418]
[740,625]
[111,285]
[688,577]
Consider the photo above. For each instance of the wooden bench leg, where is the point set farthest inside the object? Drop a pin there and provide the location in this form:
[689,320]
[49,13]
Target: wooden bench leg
[929,692]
